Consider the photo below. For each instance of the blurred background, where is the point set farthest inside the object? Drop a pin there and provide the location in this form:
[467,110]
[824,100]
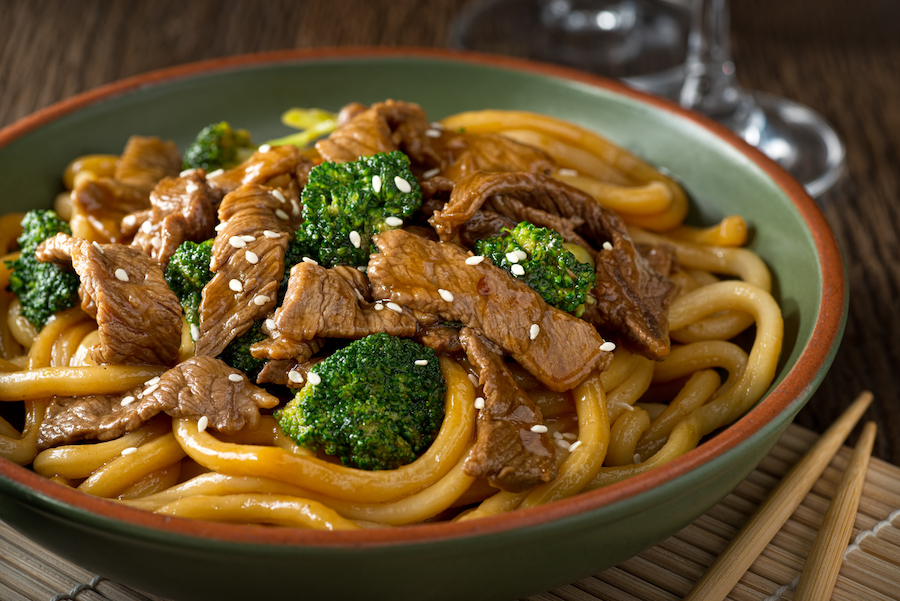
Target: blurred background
[840,58]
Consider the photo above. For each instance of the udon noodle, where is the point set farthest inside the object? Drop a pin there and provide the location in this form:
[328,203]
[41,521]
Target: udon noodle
[638,413]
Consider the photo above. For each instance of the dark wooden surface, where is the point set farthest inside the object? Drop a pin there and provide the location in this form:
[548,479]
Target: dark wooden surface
[841,58]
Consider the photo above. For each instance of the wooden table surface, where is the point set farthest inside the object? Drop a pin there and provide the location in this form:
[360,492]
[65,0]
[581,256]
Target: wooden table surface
[840,58]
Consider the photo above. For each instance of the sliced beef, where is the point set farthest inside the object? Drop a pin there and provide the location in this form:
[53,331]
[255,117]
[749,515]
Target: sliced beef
[507,451]
[483,224]
[282,167]
[248,261]
[138,316]
[411,272]
[145,161]
[441,338]
[198,387]
[181,210]
[632,298]
[491,152]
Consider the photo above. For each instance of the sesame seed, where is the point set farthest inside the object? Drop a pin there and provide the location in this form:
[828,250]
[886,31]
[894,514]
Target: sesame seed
[473,379]
[521,254]
[236,377]
[248,238]
[127,400]
[355,239]
[295,376]
[363,269]
[557,436]
[271,234]
[636,458]
[517,269]
[574,445]
[437,125]
[191,187]
[534,331]
[281,214]
[251,257]
[295,208]
[431,173]
[313,378]
[432,133]
[270,324]
[185,172]
[608,347]
[311,261]
[539,428]
[236,285]
[215,173]
[394,221]
[512,257]
[394,307]
[279,196]
[149,390]
[237,242]
[569,435]
[607,246]
[421,361]
[562,444]
[376,183]
[402,184]
[129,450]
[202,423]
[567,172]
[479,402]
[260,299]
[152,381]
[474,260]
[195,332]
[625,406]
[98,247]
[379,306]
[220,226]
[265,148]
[121,275]
[446,295]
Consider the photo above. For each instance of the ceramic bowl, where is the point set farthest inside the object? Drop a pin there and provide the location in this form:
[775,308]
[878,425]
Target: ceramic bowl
[502,557]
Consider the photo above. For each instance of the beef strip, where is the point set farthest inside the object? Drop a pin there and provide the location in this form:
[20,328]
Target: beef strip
[248,261]
[282,167]
[181,210]
[197,387]
[145,161]
[491,152]
[410,271]
[506,452]
[632,298]
[483,224]
[138,316]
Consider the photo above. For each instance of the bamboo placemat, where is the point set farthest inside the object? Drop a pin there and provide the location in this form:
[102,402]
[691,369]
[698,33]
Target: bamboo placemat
[870,571]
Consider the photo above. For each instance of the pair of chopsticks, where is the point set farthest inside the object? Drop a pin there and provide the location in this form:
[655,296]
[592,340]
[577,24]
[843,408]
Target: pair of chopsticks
[824,562]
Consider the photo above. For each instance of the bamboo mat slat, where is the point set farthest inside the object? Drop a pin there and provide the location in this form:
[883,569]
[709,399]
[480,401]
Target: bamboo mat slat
[870,569]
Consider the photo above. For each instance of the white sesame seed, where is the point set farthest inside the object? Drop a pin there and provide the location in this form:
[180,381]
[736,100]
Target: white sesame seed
[473,379]
[562,444]
[271,234]
[421,361]
[313,378]
[521,254]
[202,423]
[152,381]
[567,172]
[279,196]
[539,428]
[363,269]
[608,346]
[215,173]
[432,133]
[569,435]
[127,400]
[236,377]
[251,257]
[149,390]
[260,299]
[574,445]
[295,208]
[446,295]
[474,260]
[121,275]
[282,215]
[625,406]
[402,184]
[310,261]
[195,332]
[607,246]
[636,458]
[220,226]
[394,307]
[394,221]
[512,257]
[437,125]
[534,331]
[129,450]
[236,285]
[479,402]
[295,376]
[270,324]
[191,187]
[248,238]
[517,269]
[355,239]
[98,247]
[379,306]
[265,148]
[431,173]
[376,183]
[557,435]
[185,172]
[237,242]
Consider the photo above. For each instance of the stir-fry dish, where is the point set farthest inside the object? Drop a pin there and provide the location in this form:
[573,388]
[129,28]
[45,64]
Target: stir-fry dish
[378,321]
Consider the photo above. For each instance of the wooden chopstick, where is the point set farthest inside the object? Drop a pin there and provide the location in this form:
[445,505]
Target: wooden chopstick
[743,550]
[827,553]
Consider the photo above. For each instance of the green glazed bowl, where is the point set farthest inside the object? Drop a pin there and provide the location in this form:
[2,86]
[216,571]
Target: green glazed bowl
[502,557]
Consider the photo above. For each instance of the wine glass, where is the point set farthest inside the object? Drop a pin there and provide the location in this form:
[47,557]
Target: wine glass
[679,49]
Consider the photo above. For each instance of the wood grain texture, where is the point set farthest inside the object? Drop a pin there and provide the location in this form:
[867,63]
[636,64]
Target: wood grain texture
[840,58]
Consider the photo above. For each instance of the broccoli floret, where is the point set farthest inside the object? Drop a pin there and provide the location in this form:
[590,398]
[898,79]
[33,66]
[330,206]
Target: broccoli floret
[237,353]
[43,288]
[544,264]
[344,204]
[187,273]
[218,146]
[373,405]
